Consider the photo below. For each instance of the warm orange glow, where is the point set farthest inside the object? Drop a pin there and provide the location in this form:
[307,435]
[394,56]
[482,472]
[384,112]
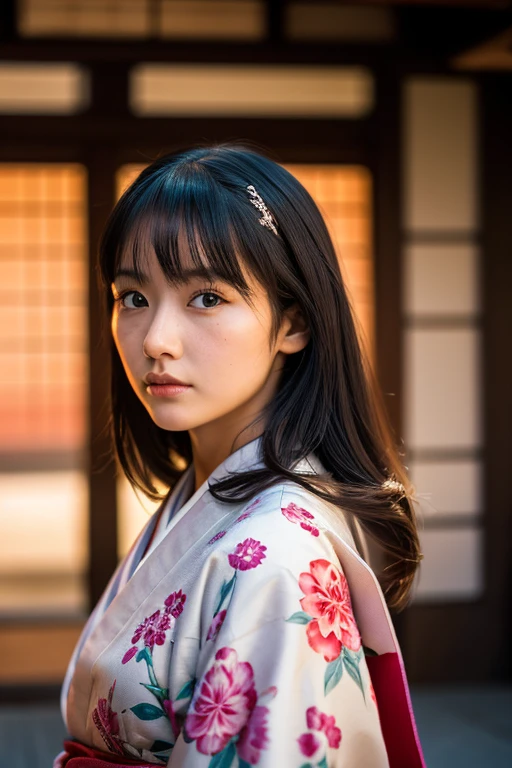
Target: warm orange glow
[343,194]
[43,315]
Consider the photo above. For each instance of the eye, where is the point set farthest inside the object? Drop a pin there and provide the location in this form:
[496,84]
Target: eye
[136,298]
[211,297]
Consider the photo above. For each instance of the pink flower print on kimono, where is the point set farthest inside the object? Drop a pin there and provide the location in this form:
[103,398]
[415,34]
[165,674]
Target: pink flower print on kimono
[107,723]
[296,514]
[322,733]
[217,536]
[248,512]
[152,632]
[248,554]
[153,629]
[331,627]
[216,624]
[224,718]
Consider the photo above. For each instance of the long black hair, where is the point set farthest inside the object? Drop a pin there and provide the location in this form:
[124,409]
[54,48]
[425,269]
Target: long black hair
[327,402]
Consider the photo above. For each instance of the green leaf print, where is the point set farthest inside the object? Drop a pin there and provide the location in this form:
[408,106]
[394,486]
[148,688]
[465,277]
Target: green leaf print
[333,674]
[161,746]
[323,762]
[351,661]
[300,618]
[225,758]
[224,592]
[160,693]
[144,655]
[147,711]
[187,690]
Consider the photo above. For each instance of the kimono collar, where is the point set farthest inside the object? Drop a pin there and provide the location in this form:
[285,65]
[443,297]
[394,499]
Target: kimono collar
[174,508]
[249,456]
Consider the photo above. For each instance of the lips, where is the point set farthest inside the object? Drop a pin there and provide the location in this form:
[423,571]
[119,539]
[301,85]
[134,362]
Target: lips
[164,378]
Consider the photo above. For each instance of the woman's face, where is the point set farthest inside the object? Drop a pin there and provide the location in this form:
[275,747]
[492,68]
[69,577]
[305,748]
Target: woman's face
[209,338]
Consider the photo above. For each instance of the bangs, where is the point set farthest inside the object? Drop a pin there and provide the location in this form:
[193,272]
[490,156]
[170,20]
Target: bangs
[191,224]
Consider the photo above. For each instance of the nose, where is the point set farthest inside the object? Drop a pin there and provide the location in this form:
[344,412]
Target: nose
[162,337]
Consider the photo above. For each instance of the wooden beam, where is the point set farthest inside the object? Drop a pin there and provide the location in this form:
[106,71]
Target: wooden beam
[101,166]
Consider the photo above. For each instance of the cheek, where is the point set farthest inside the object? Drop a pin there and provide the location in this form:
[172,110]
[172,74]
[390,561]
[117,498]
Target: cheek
[239,343]
[126,341]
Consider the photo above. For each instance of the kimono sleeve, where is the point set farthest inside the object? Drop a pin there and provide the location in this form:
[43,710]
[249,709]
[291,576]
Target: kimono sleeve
[281,678]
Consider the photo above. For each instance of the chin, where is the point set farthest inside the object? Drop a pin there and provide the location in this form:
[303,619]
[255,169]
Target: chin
[170,423]
[174,419]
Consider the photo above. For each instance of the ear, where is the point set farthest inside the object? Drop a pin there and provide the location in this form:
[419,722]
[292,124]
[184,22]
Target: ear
[294,334]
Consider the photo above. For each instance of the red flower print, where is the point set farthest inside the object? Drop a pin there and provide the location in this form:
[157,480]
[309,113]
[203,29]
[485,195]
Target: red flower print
[216,624]
[296,514]
[248,512]
[314,719]
[248,554]
[333,733]
[130,653]
[372,694]
[327,600]
[169,711]
[105,720]
[308,744]
[253,737]
[217,536]
[224,703]
[174,603]
[153,629]
[317,721]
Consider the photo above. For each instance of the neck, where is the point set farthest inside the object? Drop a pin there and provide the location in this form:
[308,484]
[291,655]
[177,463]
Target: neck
[210,447]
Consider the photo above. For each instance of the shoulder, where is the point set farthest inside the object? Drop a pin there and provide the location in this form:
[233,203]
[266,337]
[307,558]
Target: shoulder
[296,510]
[276,551]
[284,526]
[283,545]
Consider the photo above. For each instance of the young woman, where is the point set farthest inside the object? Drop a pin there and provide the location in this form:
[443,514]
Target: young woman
[246,626]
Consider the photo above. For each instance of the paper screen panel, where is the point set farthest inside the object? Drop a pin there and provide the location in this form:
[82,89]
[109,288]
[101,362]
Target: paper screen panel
[43,315]
[43,386]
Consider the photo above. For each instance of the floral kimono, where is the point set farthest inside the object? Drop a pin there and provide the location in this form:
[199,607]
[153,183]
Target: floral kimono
[236,635]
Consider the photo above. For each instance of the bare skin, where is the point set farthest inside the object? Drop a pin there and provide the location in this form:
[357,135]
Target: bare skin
[210,338]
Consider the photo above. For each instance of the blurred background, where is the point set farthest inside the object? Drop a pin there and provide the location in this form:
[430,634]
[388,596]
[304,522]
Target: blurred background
[397,117]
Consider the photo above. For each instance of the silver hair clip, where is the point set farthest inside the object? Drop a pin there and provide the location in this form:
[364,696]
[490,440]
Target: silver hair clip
[266,219]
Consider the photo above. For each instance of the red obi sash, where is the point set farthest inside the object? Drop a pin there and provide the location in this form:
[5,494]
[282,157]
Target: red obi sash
[77,755]
[395,712]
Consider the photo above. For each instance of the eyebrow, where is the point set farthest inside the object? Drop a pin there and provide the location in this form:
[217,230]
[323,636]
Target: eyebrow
[143,279]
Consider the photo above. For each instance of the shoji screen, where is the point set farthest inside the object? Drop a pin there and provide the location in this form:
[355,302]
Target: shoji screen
[442,332]
[43,385]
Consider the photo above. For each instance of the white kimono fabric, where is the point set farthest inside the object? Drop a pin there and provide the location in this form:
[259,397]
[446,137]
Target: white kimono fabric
[243,637]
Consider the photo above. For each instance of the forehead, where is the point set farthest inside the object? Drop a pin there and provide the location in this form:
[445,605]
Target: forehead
[147,241]
[138,254]
[140,261]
